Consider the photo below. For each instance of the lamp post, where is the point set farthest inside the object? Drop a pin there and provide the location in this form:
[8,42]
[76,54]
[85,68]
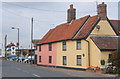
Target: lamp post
[18,40]
[31,38]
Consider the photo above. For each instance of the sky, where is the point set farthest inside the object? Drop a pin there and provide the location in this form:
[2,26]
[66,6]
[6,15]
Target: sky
[46,15]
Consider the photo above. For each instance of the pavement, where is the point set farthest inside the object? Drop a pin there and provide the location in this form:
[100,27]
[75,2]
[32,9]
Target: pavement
[16,69]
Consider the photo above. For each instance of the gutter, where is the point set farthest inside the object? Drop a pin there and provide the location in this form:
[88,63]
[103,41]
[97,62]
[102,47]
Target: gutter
[88,51]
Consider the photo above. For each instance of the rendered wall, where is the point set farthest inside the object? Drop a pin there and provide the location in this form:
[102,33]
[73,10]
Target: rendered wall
[105,29]
[72,53]
[45,53]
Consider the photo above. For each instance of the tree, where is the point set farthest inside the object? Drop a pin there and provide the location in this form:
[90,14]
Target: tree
[102,62]
[24,53]
[115,60]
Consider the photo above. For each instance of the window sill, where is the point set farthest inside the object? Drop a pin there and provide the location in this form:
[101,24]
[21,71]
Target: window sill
[78,49]
[64,64]
[64,50]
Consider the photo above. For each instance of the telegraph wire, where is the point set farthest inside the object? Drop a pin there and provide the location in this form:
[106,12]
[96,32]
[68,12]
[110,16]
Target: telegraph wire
[34,8]
[6,10]
[44,9]
[22,15]
[13,13]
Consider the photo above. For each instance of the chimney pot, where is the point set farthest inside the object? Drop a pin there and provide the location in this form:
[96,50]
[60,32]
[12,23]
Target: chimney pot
[103,3]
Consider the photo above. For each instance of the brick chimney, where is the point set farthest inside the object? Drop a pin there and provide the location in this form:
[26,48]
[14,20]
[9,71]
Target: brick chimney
[71,14]
[102,11]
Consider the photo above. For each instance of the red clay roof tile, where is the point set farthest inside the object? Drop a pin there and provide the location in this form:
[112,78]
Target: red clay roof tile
[64,31]
[87,28]
[11,44]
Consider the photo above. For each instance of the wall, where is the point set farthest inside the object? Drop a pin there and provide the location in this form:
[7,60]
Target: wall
[13,52]
[45,53]
[105,29]
[105,55]
[71,54]
[95,53]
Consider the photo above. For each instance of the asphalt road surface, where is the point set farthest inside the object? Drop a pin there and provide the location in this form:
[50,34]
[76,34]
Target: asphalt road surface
[15,69]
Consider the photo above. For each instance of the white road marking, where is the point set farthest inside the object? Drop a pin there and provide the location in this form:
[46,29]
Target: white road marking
[25,71]
[36,75]
[18,68]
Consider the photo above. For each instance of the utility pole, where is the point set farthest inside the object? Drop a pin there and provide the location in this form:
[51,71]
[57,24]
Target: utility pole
[31,37]
[97,6]
[5,44]
[18,44]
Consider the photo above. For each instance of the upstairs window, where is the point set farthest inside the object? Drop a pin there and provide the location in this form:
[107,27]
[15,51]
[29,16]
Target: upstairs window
[64,46]
[40,48]
[50,47]
[78,44]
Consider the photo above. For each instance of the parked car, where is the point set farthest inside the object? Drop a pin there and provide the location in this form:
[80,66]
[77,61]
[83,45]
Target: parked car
[20,58]
[12,57]
[28,59]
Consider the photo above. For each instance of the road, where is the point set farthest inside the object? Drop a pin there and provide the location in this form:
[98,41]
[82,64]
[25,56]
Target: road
[16,69]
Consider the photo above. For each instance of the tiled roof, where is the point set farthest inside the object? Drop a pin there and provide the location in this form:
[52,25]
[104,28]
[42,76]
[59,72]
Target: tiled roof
[46,36]
[89,25]
[106,43]
[35,41]
[77,29]
[116,25]
[11,44]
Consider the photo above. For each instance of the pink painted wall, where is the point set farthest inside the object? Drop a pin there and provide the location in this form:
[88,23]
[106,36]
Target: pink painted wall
[45,53]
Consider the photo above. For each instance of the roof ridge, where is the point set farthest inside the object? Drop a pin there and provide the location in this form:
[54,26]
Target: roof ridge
[88,27]
[81,27]
[71,31]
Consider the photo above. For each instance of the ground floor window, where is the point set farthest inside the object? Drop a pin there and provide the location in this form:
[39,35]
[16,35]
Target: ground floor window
[50,59]
[79,60]
[40,60]
[64,60]
[110,56]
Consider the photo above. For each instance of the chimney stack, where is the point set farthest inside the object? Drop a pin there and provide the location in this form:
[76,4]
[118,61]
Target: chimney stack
[71,14]
[102,11]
